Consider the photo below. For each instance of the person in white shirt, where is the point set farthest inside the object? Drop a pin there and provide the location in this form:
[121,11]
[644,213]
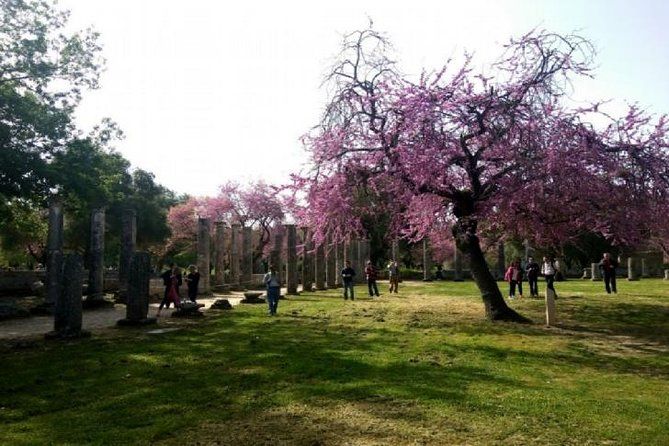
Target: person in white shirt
[273,284]
[548,271]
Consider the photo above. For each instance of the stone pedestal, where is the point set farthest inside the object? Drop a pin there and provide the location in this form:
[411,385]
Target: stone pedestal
[291,259]
[247,256]
[551,311]
[594,271]
[96,278]
[54,255]
[307,261]
[128,243]
[319,267]
[631,269]
[219,254]
[203,255]
[331,265]
[68,308]
[234,254]
[427,261]
[137,307]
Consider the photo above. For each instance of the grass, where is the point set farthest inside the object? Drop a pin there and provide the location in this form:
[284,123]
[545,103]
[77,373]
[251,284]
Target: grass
[420,367]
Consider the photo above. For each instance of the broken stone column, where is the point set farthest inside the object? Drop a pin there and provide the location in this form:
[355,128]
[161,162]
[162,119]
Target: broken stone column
[394,250]
[427,261]
[331,265]
[68,308]
[54,260]
[203,255]
[128,243]
[247,256]
[631,271]
[501,261]
[307,261]
[594,273]
[97,251]
[219,253]
[275,256]
[644,268]
[291,259]
[551,312]
[234,253]
[457,264]
[319,267]
[139,276]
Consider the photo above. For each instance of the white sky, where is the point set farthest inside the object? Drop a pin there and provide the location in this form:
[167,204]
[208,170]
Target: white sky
[211,91]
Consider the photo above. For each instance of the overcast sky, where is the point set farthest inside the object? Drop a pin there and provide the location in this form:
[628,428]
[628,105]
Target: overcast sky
[209,91]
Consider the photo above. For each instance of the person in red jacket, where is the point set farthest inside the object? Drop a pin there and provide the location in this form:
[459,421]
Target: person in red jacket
[370,273]
[514,275]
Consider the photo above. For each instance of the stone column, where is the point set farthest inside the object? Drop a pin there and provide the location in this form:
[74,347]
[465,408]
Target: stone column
[427,261]
[394,250]
[247,256]
[666,274]
[68,309]
[97,251]
[139,275]
[54,252]
[551,313]
[631,271]
[331,265]
[291,259]
[594,274]
[275,256]
[644,268]
[234,253]
[219,253]
[203,255]
[352,256]
[457,264]
[128,242]
[501,261]
[319,267]
[307,261]
[339,262]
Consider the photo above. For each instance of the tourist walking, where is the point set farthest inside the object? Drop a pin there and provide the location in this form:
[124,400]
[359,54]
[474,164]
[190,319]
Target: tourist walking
[393,276]
[608,268]
[370,274]
[514,275]
[347,276]
[273,284]
[533,269]
[192,280]
[172,281]
[548,271]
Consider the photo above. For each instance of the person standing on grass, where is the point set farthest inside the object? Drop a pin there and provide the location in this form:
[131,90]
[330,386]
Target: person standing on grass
[273,284]
[514,275]
[192,280]
[370,274]
[548,271]
[608,268]
[532,268]
[172,281]
[393,276]
[347,276]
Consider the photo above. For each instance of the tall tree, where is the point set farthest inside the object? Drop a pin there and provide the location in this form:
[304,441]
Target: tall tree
[496,152]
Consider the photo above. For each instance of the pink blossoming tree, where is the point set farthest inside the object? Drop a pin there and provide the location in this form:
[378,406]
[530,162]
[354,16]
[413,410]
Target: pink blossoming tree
[498,152]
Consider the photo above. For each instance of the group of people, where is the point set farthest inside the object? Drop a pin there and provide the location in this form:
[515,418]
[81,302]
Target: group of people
[514,275]
[172,279]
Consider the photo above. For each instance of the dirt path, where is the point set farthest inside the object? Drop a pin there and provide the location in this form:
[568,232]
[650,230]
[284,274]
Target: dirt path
[92,319]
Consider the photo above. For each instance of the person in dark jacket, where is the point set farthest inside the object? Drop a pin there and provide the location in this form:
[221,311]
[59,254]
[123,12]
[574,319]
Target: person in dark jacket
[347,276]
[172,281]
[370,274]
[532,268]
[193,281]
[608,268]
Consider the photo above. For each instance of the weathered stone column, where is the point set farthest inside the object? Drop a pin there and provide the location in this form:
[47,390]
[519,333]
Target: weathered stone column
[219,253]
[234,253]
[247,256]
[594,274]
[501,261]
[291,259]
[54,260]
[68,309]
[275,256]
[631,271]
[307,261]
[128,242]
[551,312]
[331,265]
[394,250]
[96,274]
[427,261]
[644,268]
[457,264]
[339,262]
[203,255]
[666,274]
[319,267]
[352,256]
[139,275]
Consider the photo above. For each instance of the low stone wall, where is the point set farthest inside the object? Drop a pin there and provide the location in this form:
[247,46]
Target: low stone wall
[19,283]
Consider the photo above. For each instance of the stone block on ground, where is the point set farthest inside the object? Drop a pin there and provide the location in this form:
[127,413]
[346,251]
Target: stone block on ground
[253,297]
[221,304]
[188,309]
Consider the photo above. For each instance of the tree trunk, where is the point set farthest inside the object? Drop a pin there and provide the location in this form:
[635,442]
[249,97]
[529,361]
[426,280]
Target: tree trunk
[467,242]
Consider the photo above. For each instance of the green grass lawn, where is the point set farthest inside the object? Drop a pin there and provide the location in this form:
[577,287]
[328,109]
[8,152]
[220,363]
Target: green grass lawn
[420,367]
